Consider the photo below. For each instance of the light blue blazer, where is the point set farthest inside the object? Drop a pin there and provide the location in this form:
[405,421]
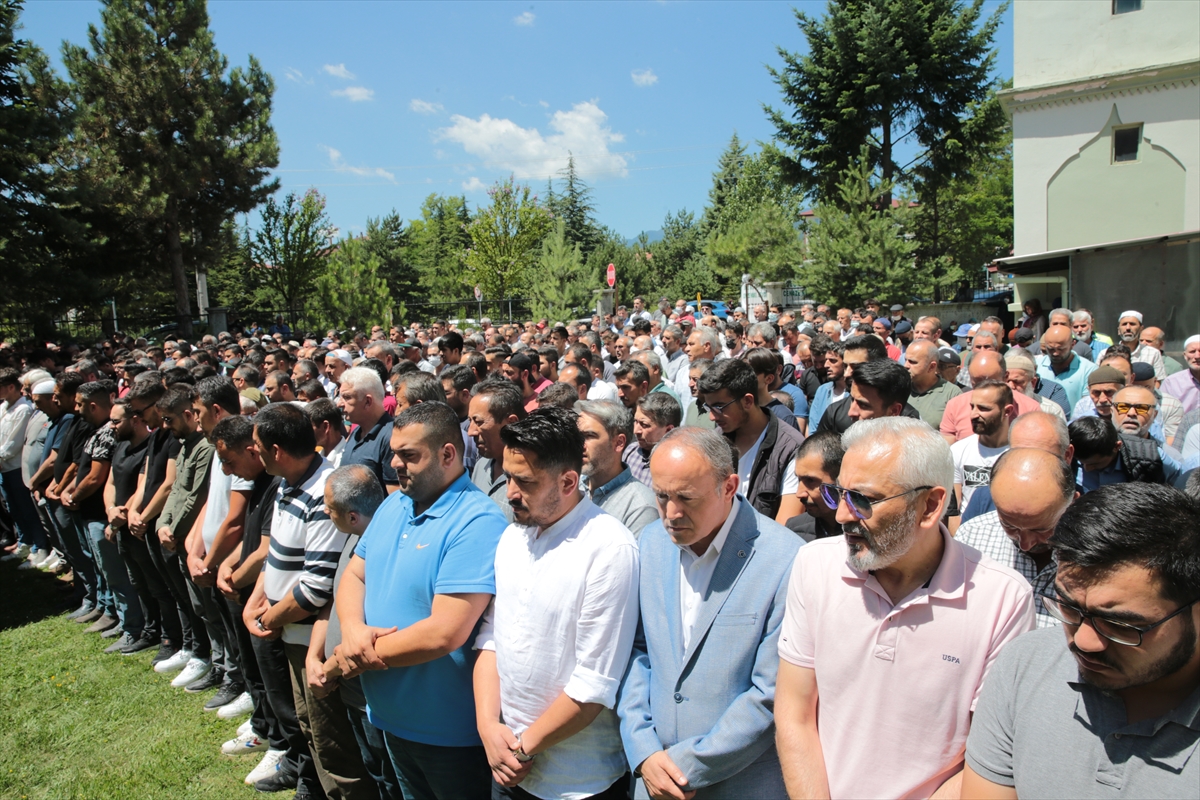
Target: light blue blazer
[711,707]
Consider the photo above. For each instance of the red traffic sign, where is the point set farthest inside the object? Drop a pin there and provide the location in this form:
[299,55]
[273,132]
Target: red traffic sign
[611,276]
[478,293]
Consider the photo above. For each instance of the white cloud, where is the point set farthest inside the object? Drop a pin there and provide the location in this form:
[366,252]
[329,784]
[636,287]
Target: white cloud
[425,107]
[339,71]
[293,74]
[355,94]
[524,19]
[644,77]
[543,104]
[474,185]
[504,145]
[339,163]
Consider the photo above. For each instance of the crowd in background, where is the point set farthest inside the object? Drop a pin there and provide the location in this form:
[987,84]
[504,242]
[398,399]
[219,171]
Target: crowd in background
[659,553]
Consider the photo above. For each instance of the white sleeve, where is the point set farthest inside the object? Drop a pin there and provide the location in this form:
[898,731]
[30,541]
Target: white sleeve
[791,483]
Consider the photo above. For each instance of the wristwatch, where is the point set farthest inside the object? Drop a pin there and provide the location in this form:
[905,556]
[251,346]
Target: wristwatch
[519,754]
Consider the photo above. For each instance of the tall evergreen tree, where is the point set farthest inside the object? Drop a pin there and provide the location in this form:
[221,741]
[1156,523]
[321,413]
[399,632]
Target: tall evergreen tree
[352,291]
[388,239]
[166,132]
[574,205]
[437,243]
[725,183]
[878,72]
[560,283]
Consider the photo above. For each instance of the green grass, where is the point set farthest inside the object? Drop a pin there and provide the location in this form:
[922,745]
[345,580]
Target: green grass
[77,723]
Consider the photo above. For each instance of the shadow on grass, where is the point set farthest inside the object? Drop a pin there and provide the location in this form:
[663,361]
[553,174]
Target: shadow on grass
[28,595]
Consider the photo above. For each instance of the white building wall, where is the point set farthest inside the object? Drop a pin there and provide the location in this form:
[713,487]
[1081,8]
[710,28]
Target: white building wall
[1056,41]
[1047,136]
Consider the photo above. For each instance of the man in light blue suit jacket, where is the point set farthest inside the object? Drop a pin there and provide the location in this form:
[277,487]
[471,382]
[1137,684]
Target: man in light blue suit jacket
[696,703]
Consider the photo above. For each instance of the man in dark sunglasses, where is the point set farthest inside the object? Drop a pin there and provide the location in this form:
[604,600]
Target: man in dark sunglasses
[884,618]
[1117,711]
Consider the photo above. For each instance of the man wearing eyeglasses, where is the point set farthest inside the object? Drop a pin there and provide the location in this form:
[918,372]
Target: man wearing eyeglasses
[1123,697]
[882,619]
[1134,410]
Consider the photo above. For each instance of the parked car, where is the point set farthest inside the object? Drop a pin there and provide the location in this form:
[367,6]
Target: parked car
[718,306]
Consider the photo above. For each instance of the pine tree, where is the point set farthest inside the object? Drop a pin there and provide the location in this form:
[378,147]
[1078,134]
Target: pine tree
[857,246]
[388,239]
[878,72]
[166,133]
[560,286]
[725,183]
[352,290]
[437,243]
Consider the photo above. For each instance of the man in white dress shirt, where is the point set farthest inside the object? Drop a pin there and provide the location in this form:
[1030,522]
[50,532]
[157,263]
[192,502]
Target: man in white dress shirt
[556,641]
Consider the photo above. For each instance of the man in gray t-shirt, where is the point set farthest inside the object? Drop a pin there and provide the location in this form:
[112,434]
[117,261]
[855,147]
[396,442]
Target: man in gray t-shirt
[1116,711]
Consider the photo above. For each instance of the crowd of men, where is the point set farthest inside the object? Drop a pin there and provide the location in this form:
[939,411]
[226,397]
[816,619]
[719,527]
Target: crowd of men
[660,553]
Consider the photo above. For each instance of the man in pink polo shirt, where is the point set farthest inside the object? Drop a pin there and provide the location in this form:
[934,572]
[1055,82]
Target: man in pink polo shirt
[985,366]
[893,638]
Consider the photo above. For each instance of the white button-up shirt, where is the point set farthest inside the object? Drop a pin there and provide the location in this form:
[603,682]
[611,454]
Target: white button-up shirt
[695,572]
[563,620]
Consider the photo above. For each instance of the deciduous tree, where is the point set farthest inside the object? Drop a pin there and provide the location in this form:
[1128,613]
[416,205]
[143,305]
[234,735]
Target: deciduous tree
[506,238]
[292,245]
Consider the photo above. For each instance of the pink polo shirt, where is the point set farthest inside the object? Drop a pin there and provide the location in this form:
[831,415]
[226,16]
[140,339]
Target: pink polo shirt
[897,684]
[956,421]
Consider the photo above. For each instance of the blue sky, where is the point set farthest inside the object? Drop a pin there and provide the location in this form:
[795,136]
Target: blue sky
[379,104]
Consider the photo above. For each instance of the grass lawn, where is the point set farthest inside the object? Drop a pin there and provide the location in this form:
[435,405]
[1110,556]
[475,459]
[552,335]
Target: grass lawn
[77,723]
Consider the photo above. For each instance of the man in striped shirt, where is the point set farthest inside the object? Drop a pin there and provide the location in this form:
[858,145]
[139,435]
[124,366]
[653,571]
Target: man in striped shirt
[297,582]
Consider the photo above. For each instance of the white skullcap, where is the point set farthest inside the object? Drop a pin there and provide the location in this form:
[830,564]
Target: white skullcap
[1135,314]
[342,355]
[47,387]
[1191,340]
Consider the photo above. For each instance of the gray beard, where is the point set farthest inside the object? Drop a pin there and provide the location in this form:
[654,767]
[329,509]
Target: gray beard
[884,547]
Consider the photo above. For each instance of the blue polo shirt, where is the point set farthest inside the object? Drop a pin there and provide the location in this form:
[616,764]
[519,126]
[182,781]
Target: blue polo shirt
[449,549]
[373,449]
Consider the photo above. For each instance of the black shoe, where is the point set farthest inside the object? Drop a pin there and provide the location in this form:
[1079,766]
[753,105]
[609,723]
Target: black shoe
[212,680]
[225,695]
[282,781]
[139,644]
[165,651]
[116,646]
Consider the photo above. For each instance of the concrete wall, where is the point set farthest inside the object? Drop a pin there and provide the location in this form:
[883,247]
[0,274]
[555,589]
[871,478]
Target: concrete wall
[953,312]
[1100,201]
[1065,40]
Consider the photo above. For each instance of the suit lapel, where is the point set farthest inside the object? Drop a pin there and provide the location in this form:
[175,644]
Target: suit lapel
[733,559]
[669,586]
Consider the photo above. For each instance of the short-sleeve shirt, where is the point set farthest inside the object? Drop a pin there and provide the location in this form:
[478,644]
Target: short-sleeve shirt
[99,446]
[1042,730]
[448,549]
[956,420]
[973,465]
[70,446]
[897,683]
[126,466]
[220,486]
[161,448]
[932,404]
[373,449]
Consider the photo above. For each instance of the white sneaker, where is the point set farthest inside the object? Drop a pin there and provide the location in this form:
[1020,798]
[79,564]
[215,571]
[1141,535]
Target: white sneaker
[240,707]
[20,554]
[245,727]
[195,670]
[243,744]
[52,563]
[39,557]
[174,663]
[267,767]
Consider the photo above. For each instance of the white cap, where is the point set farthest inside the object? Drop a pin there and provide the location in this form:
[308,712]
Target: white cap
[343,356]
[1191,340]
[45,387]
[1135,314]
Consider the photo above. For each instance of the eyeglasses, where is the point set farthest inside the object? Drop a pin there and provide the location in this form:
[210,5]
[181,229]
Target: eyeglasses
[859,503]
[1142,409]
[133,412]
[719,408]
[1118,632]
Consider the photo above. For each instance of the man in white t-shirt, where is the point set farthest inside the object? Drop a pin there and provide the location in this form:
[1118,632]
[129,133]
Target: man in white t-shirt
[992,411]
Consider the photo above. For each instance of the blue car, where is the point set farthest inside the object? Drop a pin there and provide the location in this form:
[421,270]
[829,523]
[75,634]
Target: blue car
[718,306]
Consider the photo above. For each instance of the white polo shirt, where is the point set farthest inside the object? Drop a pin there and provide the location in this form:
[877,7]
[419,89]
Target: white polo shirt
[897,683]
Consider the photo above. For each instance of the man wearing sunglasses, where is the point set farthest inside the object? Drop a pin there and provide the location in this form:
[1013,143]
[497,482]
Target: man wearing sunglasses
[883,619]
[1123,697]
[1135,408]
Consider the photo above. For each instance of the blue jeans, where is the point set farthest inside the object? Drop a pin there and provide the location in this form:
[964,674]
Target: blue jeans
[78,552]
[24,512]
[373,748]
[432,772]
[116,584]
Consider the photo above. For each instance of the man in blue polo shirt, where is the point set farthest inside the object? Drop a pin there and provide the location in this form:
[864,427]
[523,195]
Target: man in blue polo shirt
[360,396]
[420,579]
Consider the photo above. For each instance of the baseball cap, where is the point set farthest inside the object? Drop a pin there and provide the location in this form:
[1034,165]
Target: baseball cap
[964,330]
[341,355]
[410,343]
[946,356]
[885,322]
[1142,371]
[903,326]
[1021,336]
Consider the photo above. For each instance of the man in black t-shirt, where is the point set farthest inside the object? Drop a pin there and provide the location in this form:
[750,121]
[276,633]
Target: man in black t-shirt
[84,498]
[158,472]
[132,438]
[75,546]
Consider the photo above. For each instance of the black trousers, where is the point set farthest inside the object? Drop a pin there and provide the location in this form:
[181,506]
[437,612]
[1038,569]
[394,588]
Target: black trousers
[162,615]
[277,687]
[170,567]
[263,720]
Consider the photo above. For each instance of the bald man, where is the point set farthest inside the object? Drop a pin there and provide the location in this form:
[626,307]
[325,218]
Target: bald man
[1059,363]
[930,391]
[1038,430]
[1031,489]
[986,365]
[1157,339]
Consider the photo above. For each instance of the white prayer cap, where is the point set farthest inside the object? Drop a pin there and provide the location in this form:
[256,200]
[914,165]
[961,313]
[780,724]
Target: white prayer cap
[45,387]
[1191,340]
[1135,314]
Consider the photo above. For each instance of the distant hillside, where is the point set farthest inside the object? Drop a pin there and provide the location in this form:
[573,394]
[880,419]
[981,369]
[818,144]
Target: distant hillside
[653,236]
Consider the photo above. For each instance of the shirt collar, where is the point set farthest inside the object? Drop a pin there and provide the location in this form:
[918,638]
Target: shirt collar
[313,466]
[718,541]
[369,434]
[601,492]
[448,498]
[948,581]
[564,524]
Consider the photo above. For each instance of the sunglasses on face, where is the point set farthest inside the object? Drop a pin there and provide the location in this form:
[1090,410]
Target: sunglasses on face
[1142,409]
[858,503]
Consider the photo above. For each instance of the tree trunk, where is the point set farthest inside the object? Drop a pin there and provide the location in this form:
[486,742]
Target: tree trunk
[885,155]
[183,302]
